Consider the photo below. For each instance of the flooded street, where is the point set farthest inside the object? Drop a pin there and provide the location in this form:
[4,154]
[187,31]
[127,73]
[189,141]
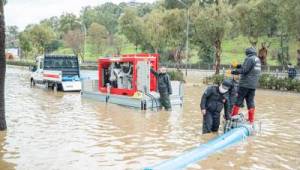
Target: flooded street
[62,131]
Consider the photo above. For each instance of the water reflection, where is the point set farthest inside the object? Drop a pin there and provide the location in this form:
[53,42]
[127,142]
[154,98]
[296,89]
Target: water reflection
[49,130]
[4,164]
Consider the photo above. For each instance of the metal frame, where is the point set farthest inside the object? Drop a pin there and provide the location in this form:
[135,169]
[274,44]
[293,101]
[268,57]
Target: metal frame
[132,58]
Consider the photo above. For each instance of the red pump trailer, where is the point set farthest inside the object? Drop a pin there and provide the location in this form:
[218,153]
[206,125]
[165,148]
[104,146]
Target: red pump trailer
[127,74]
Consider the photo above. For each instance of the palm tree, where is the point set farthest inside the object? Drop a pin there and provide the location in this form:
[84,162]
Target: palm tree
[2,67]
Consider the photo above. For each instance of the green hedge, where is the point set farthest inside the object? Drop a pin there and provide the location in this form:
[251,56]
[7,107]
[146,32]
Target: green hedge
[266,81]
[20,63]
[176,75]
[215,79]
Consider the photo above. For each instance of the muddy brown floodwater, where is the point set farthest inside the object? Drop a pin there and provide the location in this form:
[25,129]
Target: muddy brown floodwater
[62,131]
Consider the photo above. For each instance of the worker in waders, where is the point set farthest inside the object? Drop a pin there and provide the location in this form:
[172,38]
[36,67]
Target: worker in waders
[212,103]
[250,72]
[164,87]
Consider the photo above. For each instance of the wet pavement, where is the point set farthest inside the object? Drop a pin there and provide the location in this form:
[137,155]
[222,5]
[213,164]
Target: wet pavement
[62,131]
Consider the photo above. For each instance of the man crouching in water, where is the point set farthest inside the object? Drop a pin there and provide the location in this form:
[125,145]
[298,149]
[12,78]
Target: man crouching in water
[212,103]
[164,87]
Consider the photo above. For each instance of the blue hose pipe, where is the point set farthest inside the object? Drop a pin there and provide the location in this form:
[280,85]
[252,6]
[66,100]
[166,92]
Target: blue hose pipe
[217,144]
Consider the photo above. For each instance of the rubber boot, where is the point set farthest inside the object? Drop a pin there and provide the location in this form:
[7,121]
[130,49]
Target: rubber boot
[235,110]
[251,115]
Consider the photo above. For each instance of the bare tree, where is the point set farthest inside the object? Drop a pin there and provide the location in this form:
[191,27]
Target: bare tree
[263,52]
[298,58]
[2,68]
[75,40]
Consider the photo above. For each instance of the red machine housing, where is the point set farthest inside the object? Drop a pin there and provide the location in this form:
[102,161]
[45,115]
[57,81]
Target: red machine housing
[104,64]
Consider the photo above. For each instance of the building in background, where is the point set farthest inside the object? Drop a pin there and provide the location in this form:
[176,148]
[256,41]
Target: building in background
[12,53]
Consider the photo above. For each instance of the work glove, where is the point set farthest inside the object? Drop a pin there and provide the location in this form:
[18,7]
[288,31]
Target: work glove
[234,72]
[239,66]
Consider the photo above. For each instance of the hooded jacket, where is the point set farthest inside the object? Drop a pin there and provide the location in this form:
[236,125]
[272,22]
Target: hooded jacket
[250,70]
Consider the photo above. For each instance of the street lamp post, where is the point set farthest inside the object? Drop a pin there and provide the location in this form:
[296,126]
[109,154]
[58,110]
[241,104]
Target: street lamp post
[84,45]
[187,40]
[187,34]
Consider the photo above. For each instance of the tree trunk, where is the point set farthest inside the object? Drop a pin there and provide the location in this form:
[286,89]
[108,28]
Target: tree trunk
[99,50]
[218,43]
[119,51]
[263,53]
[136,47]
[298,52]
[2,68]
[81,56]
[111,39]
[218,56]
[253,41]
[298,57]
[175,58]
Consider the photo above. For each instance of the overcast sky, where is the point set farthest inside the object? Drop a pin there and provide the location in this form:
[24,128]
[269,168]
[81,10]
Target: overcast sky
[24,12]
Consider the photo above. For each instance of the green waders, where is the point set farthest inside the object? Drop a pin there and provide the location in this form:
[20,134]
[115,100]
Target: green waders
[165,100]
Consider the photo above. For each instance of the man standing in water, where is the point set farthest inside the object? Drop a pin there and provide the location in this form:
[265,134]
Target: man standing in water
[212,103]
[164,87]
[250,72]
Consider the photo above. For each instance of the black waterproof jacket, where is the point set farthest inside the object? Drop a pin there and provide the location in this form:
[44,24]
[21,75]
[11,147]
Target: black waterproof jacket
[213,101]
[250,70]
[164,83]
